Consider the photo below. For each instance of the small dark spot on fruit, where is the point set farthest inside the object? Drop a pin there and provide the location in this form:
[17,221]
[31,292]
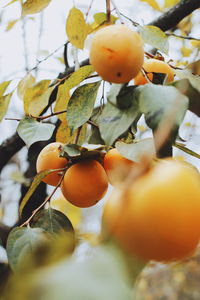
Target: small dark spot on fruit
[119,74]
[109,50]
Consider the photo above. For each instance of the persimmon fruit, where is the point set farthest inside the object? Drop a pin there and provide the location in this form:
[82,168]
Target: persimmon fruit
[117,166]
[49,158]
[154,66]
[116,53]
[158,216]
[85,183]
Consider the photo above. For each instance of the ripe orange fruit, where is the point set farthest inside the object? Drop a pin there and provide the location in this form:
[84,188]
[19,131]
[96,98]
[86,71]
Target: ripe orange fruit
[158,217]
[155,66]
[85,183]
[116,53]
[49,158]
[116,166]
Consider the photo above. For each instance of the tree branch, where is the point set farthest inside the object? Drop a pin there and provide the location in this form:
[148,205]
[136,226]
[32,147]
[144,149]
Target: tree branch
[173,16]
[10,147]
[4,231]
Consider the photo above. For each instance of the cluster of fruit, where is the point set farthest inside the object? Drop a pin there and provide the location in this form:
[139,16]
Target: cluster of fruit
[85,182]
[117,55]
[157,216]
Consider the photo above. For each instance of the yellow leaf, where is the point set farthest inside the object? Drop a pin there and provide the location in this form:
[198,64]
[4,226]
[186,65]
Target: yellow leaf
[1,213]
[34,6]
[196,44]
[63,95]
[185,25]
[195,67]
[25,83]
[153,4]
[71,211]
[9,3]
[3,87]
[11,24]
[76,28]
[63,134]
[169,3]
[62,100]
[36,98]
[78,76]
[186,51]
[4,102]
[60,59]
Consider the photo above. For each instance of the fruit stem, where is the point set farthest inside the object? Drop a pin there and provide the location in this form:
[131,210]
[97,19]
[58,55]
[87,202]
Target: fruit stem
[108,10]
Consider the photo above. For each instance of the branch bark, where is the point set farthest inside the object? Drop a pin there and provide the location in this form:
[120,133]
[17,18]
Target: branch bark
[173,16]
[9,148]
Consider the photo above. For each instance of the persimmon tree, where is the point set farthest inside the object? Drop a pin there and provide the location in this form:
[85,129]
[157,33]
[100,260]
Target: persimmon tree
[93,123]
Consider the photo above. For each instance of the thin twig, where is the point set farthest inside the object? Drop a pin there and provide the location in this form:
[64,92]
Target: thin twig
[133,22]
[108,10]
[183,37]
[89,8]
[44,202]
[39,40]
[25,44]
[65,55]
[117,11]
[12,119]
[77,135]
[52,114]
[92,123]
[145,73]
[48,56]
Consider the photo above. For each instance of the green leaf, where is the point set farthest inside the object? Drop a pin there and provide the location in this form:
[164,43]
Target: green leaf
[34,6]
[72,150]
[76,28]
[63,95]
[160,103]
[193,79]
[114,121]
[36,98]
[186,88]
[136,150]
[95,137]
[38,178]
[103,276]
[81,104]
[155,37]
[52,221]
[4,103]
[25,83]
[21,242]
[32,131]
